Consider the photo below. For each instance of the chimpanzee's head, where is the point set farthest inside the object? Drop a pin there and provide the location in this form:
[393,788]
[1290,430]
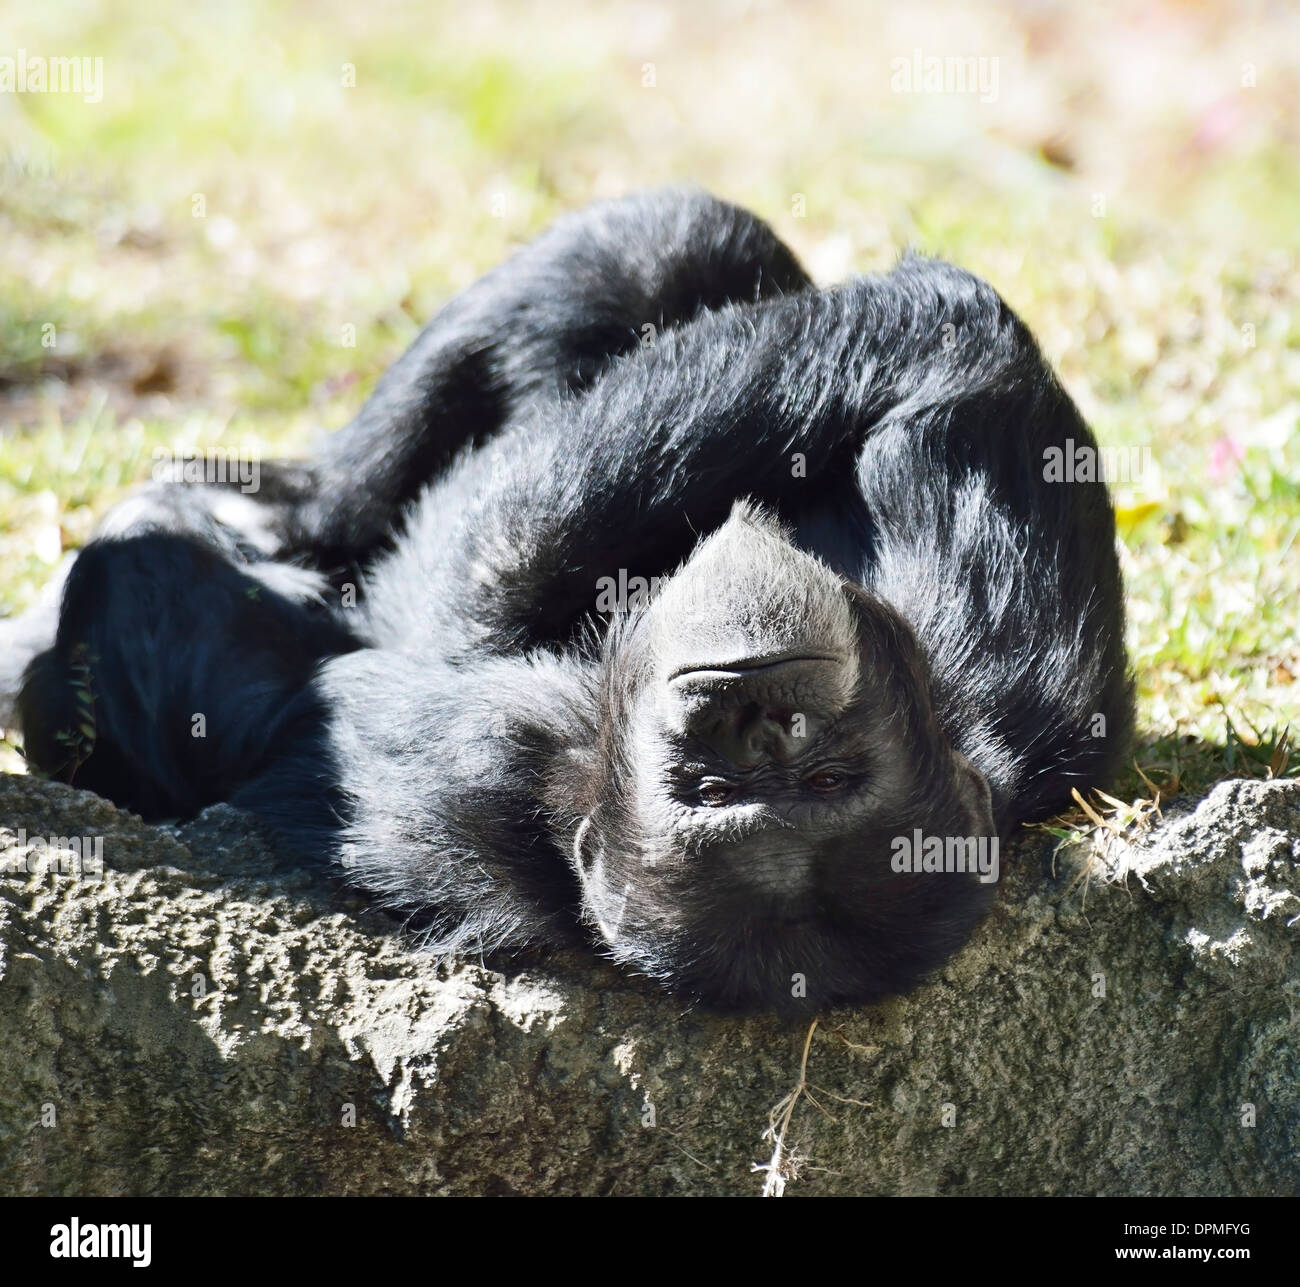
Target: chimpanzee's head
[769,758]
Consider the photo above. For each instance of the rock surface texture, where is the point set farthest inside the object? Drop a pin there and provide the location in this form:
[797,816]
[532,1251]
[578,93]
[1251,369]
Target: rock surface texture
[201,1018]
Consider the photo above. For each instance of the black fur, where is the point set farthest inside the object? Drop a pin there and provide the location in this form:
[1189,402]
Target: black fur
[894,623]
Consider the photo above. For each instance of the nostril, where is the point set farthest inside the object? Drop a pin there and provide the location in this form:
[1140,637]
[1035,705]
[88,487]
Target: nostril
[764,732]
[734,735]
[751,733]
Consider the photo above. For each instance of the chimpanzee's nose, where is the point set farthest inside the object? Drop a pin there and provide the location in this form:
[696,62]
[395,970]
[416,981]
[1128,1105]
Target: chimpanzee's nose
[752,734]
[757,711]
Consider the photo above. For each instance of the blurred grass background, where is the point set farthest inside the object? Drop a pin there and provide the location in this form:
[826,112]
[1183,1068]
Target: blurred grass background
[1132,187]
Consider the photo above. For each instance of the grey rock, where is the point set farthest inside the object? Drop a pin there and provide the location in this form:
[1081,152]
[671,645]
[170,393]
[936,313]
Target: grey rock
[203,1018]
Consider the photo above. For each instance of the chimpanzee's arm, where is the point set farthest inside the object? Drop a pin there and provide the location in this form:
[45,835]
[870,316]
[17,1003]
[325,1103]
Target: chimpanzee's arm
[771,401]
[599,283]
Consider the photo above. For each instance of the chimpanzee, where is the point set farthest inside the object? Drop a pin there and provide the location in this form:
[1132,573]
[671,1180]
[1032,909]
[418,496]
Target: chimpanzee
[656,599]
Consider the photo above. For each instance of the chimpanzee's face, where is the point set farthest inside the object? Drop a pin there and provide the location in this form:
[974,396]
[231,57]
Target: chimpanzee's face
[769,744]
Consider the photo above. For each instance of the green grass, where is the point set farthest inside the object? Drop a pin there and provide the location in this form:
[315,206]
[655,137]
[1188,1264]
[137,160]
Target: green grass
[328,205]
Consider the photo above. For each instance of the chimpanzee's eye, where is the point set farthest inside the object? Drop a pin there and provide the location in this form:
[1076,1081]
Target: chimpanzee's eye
[715,791]
[826,781]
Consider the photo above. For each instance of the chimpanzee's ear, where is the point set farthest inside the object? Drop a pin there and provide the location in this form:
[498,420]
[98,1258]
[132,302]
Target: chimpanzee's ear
[588,857]
[599,907]
[976,795]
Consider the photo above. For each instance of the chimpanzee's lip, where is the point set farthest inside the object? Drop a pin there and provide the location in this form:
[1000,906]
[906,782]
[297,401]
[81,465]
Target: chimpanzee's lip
[748,665]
